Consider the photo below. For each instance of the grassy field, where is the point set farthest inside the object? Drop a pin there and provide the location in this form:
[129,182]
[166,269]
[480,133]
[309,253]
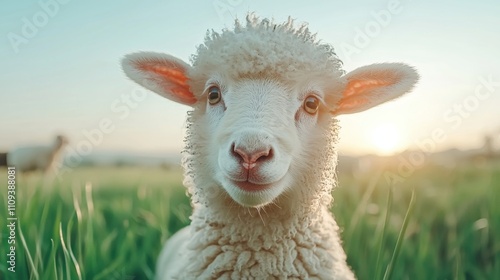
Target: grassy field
[109,223]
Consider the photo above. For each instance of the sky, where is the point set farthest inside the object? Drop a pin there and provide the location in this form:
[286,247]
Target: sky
[60,68]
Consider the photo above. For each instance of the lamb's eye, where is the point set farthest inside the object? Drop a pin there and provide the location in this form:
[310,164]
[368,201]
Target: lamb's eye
[214,95]
[311,104]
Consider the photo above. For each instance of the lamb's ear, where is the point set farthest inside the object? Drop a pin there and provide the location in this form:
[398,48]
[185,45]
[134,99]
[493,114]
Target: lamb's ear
[161,73]
[371,85]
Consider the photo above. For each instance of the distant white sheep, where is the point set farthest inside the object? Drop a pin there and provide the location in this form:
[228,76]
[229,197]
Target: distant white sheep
[44,158]
[260,149]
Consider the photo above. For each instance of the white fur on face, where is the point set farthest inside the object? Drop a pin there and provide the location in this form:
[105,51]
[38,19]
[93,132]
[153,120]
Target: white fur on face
[254,115]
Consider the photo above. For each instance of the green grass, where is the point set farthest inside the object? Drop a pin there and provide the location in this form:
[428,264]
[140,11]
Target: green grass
[453,232]
[109,223]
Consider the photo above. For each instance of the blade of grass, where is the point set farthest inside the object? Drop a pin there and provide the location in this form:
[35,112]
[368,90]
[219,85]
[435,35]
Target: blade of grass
[378,267]
[41,236]
[34,272]
[90,259]
[148,271]
[70,250]
[53,258]
[68,254]
[79,216]
[65,251]
[61,269]
[399,242]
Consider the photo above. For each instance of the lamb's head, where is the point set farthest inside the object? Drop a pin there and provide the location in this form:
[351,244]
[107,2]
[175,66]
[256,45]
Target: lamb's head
[61,141]
[264,98]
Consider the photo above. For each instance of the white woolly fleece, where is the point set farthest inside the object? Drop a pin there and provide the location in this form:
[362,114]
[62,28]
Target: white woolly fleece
[295,236]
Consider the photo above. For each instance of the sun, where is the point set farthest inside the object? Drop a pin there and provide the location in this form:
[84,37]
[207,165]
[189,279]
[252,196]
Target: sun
[386,138]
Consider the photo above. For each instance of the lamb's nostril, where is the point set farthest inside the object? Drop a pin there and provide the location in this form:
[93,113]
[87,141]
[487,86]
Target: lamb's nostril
[266,155]
[238,152]
[262,156]
[250,159]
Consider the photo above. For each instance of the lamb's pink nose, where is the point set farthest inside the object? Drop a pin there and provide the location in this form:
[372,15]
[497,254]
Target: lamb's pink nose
[250,159]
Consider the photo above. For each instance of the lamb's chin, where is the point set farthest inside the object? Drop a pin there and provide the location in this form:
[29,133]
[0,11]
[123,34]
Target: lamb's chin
[254,195]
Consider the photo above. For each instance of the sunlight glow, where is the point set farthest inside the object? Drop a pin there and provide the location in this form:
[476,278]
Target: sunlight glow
[385,138]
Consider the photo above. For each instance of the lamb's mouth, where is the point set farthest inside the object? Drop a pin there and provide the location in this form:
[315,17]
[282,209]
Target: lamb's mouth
[252,187]
[254,194]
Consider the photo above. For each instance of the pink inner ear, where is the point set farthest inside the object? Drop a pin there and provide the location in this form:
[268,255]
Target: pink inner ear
[352,103]
[173,74]
[354,95]
[358,86]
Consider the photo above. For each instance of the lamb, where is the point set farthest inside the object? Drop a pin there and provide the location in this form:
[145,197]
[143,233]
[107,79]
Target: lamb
[31,158]
[260,155]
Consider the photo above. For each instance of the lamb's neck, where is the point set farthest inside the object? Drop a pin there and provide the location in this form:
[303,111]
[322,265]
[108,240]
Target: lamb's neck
[301,247]
[265,223]
[58,147]
[55,152]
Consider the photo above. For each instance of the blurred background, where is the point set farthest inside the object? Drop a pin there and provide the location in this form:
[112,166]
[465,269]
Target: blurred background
[120,144]
[61,69]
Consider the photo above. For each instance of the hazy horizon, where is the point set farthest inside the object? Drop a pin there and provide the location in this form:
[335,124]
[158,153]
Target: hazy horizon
[61,69]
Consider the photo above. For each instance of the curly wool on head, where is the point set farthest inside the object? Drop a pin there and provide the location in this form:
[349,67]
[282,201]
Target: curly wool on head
[262,48]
